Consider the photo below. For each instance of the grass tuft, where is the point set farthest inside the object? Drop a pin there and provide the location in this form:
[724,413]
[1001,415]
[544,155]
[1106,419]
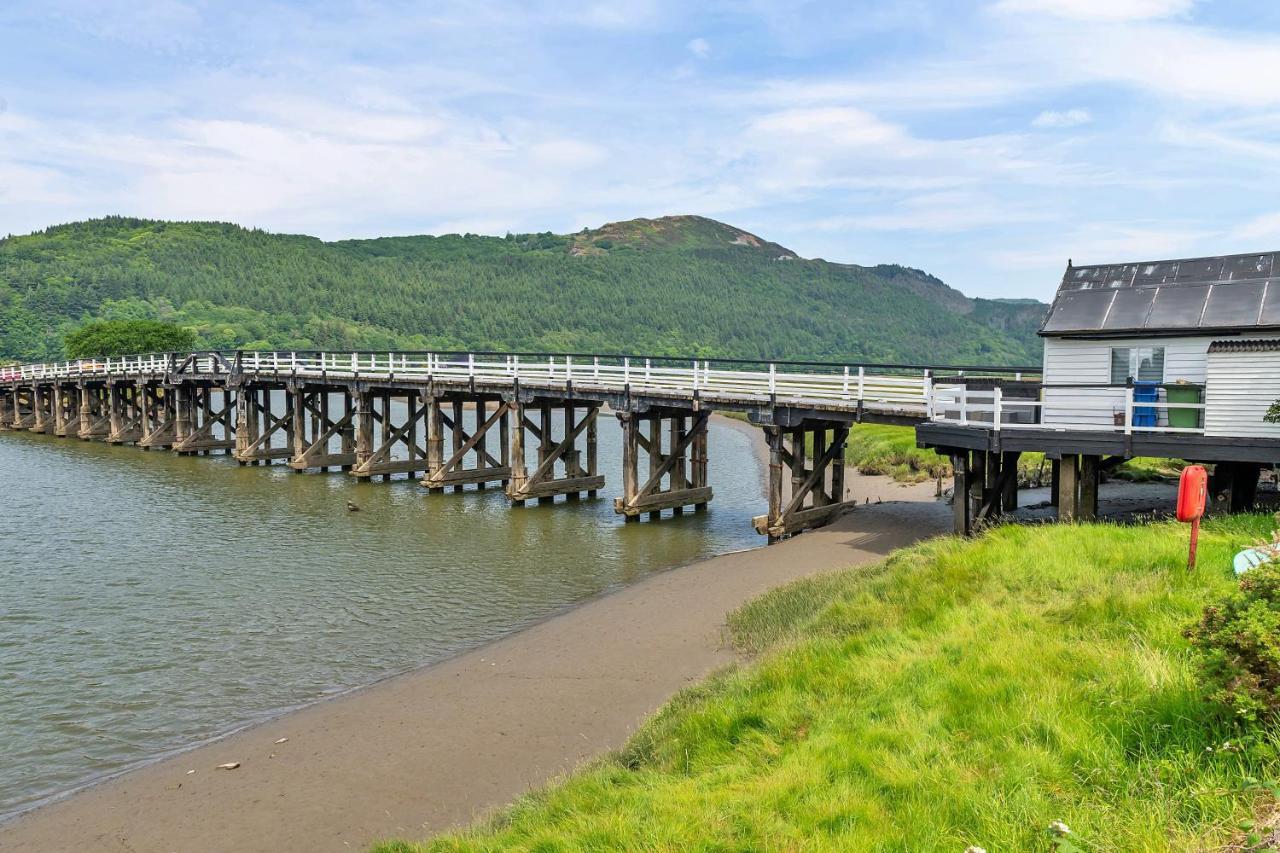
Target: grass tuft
[962,692]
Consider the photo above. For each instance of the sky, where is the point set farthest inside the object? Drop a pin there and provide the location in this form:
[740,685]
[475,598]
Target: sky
[985,142]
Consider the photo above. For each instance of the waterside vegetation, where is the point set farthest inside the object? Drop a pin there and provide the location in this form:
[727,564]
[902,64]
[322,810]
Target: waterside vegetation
[1029,690]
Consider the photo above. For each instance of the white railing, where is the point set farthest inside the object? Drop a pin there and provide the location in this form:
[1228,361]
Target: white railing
[1104,408]
[884,387]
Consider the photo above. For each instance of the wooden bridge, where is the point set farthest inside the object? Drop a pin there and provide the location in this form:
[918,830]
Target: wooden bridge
[401,413]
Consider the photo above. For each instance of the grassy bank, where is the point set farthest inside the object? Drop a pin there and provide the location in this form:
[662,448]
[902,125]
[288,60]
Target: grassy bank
[959,693]
[892,451]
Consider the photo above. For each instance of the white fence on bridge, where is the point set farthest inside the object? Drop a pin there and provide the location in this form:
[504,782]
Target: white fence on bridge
[905,390]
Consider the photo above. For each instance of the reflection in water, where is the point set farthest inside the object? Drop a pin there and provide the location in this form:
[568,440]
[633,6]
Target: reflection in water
[149,601]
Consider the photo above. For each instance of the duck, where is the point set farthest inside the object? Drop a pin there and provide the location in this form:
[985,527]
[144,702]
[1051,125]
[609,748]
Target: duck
[351,507]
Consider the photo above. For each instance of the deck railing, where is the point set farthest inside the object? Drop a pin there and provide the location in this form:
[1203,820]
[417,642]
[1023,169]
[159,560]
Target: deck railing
[907,388]
[1100,407]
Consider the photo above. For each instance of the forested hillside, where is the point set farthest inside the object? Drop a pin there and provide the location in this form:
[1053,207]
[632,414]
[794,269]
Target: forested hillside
[676,286]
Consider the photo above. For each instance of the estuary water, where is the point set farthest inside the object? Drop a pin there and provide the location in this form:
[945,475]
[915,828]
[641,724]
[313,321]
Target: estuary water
[150,602]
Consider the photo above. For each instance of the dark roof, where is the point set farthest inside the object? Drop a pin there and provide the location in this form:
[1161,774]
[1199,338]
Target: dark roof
[1245,346]
[1226,293]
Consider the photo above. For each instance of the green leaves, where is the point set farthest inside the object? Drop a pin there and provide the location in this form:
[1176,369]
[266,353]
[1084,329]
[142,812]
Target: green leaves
[122,337]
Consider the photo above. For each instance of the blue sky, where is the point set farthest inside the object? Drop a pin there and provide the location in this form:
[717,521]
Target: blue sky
[985,142]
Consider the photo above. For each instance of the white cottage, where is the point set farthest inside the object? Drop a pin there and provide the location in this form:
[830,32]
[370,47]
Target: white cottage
[1203,330]
[1176,359]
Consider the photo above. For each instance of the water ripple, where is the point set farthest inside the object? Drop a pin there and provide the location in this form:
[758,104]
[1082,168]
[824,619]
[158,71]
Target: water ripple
[150,601]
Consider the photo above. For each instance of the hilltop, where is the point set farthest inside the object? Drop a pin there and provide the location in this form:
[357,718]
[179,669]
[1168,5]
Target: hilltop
[677,285]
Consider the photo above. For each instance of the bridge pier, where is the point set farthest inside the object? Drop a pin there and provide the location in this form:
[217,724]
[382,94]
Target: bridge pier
[682,466]
[563,456]
[986,487]
[41,410]
[95,411]
[199,420]
[23,412]
[66,414]
[817,480]
[315,430]
[257,425]
[159,415]
[445,427]
[375,407]
[6,409]
[125,412]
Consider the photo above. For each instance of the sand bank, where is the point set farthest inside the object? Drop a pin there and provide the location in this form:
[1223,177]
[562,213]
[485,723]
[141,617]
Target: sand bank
[439,746]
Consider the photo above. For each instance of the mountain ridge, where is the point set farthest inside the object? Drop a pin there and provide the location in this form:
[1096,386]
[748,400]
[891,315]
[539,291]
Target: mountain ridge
[677,285]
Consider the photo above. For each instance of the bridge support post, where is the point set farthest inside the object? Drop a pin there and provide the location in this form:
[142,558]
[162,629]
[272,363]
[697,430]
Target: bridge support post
[244,403]
[960,505]
[1009,468]
[183,415]
[123,414]
[95,411]
[817,493]
[1069,488]
[22,413]
[1090,476]
[397,450]
[676,476]
[364,428]
[314,448]
[257,425]
[199,433]
[41,421]
[991,481]
[452,470]
[6,409]
[559,469]
[160,414]
[64,413]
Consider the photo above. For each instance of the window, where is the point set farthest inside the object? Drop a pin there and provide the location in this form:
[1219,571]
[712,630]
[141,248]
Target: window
[1142,363]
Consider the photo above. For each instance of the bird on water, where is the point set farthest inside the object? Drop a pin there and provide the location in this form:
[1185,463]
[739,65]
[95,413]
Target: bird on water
[351,507]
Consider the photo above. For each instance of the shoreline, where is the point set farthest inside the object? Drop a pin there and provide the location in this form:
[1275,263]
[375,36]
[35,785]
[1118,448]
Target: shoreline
[339,779]
[759,448]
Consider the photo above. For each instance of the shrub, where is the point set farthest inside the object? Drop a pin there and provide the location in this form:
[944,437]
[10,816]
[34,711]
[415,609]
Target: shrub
[1238,640]
[126,337]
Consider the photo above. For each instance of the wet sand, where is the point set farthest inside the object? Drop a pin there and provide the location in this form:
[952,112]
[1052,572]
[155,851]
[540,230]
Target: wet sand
[438,747]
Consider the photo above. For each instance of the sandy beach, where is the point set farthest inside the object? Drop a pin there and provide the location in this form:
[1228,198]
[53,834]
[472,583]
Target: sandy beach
[438,747]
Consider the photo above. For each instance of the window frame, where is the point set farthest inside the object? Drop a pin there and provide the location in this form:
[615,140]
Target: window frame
[1134,358]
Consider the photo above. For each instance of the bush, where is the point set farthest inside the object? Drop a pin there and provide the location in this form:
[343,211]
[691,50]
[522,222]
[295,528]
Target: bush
[127,337]
[1239,643]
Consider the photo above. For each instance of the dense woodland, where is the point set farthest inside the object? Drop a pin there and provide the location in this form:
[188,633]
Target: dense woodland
[674,286]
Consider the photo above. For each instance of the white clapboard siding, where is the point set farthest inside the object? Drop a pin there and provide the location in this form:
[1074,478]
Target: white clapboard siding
[1074,362]
[1069,361]
[1240,388]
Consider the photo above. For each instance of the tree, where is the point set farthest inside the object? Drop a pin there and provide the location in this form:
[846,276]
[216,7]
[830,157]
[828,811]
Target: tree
[123,337]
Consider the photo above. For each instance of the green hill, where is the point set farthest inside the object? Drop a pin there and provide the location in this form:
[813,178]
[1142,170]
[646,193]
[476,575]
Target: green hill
[963,692]
[681,285]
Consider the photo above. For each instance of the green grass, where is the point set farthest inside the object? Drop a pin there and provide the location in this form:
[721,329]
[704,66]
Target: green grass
[958,693]
[1145,469]
[891,450]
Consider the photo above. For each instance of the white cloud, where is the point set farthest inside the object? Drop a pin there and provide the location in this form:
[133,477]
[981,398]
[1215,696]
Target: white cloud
[1261,231]
[938,212]
[843,126]
[618,14]
[1098,10]
[1101,243]
[699,47]
[1063,118]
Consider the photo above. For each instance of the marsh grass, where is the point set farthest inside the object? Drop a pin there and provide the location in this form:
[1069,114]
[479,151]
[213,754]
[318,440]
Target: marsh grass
[958,693]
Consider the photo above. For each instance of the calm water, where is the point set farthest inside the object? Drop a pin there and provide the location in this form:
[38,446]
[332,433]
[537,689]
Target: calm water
[150,601]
